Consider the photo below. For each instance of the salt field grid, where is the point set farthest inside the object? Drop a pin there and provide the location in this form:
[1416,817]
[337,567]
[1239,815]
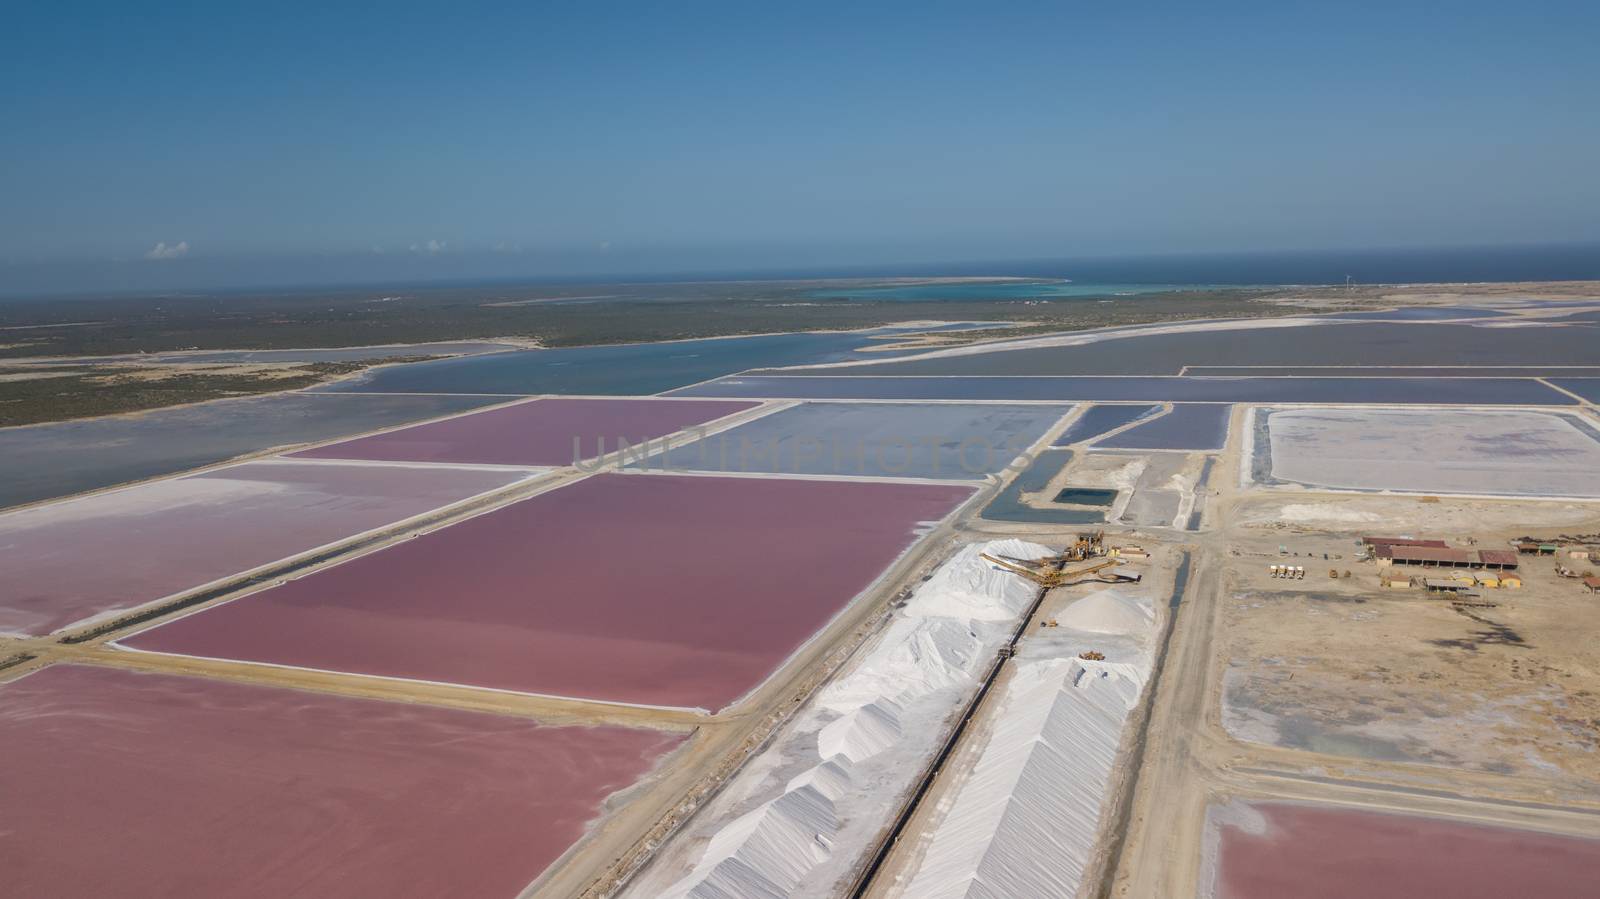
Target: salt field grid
[94,556]
[1455,451]
[909,440]
[1267,850]
[63,458]
[1333,390]
[162,785]
[541,432]
[682,591]
[1197,426]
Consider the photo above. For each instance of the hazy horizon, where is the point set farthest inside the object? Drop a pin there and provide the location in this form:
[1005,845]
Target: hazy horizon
[1535,262]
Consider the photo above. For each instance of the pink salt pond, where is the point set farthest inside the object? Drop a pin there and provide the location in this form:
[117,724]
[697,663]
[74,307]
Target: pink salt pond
[118,783]
[1270,850]
[665,590]
[545,432]
[98,555]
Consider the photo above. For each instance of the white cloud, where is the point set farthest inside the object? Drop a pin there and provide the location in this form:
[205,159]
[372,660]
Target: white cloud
[162,251]
[431,248]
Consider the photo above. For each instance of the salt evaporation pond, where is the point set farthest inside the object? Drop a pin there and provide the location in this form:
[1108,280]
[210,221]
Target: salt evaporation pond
[929,440]
[1008,505]
[667,590]
[1097,420]
[1268,850]
[1201,426]
[92,556]
[66,457]
[1588,388]
[620,369]
[1392,391]
[1494,452]
[160,785]
[548,432]
[1136,352]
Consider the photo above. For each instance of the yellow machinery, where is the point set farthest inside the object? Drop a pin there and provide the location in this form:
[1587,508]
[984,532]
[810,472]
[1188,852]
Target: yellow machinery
[1053,571]
[1087,545]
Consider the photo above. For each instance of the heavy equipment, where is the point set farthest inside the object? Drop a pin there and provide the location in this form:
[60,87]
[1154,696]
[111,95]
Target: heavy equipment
[1087,546]
[1053,571]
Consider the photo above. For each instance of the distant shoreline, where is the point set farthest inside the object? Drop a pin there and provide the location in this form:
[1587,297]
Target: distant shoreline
[474,270]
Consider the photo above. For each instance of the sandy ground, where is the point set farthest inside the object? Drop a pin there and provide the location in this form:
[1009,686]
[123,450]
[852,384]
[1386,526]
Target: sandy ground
[1344,693]
[1155,490]
[1342,668]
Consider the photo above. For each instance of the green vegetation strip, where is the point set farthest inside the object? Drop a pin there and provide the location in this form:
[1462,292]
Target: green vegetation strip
[15,659]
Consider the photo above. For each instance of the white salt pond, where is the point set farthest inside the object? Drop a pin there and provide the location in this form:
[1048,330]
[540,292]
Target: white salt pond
[1437,451]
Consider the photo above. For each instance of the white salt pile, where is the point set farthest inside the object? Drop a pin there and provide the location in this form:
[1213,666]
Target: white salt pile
[935,643]
[916,656]
[764,853]
[1024,822]
[861,733]
[969,587]
[831,778]
[1108,612]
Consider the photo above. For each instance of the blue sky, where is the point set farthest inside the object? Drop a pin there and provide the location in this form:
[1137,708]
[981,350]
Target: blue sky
[257,138]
